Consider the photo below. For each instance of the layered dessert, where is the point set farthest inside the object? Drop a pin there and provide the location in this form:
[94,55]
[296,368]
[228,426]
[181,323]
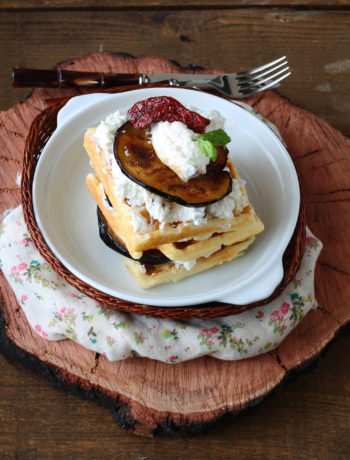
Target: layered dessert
[169,199]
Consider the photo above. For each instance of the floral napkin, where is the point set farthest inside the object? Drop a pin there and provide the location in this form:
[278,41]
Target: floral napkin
[57,311]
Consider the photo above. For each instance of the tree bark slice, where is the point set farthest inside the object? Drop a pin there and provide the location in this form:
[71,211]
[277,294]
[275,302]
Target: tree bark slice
[147,396]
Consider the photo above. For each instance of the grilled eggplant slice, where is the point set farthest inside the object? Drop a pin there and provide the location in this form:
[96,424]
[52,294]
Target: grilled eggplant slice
[152,256]
[137,159]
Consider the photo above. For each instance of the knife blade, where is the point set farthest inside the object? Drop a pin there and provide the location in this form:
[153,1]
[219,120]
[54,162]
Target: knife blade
[57,78]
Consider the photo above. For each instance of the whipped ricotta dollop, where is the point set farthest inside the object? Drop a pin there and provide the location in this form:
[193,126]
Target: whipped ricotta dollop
[161,209]
[176,147]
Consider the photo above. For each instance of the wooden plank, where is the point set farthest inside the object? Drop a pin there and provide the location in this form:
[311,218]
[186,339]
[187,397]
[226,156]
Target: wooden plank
[310,418]
[316,43]
[148,395]
[174,4]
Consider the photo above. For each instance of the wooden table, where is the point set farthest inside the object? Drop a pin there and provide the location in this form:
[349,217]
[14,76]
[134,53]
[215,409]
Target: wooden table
[308,418]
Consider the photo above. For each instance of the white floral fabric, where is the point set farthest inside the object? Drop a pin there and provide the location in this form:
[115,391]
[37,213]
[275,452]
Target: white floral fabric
[57,311]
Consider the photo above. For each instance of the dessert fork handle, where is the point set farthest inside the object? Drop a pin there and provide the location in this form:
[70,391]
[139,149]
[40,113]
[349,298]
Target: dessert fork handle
[22,78]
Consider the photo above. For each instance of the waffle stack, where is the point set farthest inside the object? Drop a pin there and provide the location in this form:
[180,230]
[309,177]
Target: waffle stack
[187,248]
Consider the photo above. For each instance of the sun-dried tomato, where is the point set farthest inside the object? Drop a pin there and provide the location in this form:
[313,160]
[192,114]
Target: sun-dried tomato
[165,108]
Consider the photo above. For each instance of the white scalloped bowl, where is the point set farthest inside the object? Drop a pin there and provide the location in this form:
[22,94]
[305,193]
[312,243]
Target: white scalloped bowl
[66,213]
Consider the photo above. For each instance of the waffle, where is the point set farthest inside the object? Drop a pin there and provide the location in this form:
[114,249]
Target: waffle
[244,225]
[191,248]
[183,250]
[148,276]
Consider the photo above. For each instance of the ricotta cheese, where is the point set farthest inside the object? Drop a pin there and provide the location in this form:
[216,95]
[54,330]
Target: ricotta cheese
[105,201]
[187,265]
[175,146]
[161,209]
[142,268]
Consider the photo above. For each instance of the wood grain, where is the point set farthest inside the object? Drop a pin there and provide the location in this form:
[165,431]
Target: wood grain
[174,4]
[316,43]
[150,397]
[310,418]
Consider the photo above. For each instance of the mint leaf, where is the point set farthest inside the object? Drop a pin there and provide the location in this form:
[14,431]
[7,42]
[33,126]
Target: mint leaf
[216,137]
[206,142]
[207,148]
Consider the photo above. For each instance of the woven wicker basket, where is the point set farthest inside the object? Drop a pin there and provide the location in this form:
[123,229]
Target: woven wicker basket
[40,132]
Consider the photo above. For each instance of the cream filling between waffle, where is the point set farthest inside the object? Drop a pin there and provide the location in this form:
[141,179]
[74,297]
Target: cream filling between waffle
[159,208]
[179,263]
[188,265]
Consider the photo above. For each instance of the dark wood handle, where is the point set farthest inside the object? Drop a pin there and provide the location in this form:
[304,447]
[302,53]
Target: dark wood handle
[24,78]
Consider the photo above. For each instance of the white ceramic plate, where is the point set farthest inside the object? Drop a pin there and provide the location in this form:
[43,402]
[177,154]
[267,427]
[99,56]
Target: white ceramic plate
[66,213]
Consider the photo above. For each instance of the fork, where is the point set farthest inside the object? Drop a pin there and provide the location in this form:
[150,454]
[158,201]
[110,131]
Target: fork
[238,85]
[247,83]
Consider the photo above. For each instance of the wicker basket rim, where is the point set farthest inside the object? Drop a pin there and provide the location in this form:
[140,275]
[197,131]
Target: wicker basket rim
[40,131]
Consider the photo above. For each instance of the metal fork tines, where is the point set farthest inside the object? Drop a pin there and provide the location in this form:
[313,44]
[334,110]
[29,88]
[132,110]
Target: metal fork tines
[244,84]
[263,77]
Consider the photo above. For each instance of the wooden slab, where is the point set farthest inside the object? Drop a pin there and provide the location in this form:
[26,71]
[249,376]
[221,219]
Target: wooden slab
[147,397]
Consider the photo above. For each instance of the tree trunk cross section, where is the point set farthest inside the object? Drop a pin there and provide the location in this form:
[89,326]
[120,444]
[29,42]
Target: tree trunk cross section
[147,396]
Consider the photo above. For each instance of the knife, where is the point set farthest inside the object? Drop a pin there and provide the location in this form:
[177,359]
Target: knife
[24,78]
